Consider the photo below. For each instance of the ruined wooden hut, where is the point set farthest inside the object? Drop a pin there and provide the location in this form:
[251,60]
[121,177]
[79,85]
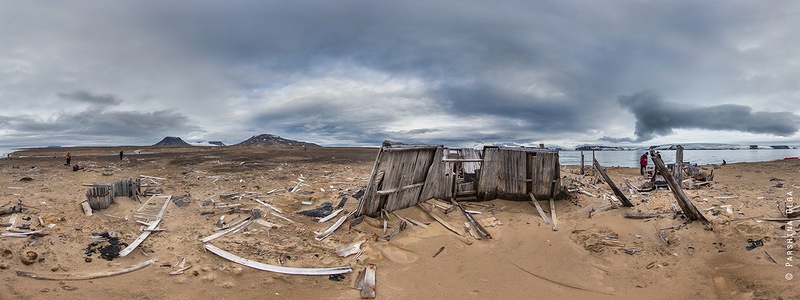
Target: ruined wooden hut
[404,175]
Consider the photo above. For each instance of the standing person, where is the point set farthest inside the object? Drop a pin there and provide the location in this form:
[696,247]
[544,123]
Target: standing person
[68,158]
[643,163]
[120,155]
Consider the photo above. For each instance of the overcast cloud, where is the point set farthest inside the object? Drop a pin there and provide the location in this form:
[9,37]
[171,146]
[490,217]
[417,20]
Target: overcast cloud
[462,73]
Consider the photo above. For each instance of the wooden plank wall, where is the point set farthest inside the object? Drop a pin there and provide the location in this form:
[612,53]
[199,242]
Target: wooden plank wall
[398,179]
[513,173]
[544,167]
[503,174]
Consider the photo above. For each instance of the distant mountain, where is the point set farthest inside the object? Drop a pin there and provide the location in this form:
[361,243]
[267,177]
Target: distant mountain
[172,141]
[269,140]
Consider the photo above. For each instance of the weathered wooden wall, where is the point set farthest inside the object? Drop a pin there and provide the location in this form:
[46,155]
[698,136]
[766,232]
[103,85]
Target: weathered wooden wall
[399,178]
[511,173]
[544,167]
[406,175]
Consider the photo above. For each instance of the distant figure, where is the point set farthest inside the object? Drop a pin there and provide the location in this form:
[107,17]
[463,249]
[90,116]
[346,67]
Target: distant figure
[724,162]
[120,155]
[304,147]
[643,163]
[68,158]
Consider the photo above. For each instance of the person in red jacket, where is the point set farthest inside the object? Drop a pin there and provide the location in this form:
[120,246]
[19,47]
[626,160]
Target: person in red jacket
[643,163]
[68,158]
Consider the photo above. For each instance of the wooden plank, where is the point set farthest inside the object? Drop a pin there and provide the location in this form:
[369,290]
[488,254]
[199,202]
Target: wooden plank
[686,205]
[540,210]
[144,235]
[395,190]
[622,198]
[333,228]
[90,276]
[462,160]
[277,269]
[553,214]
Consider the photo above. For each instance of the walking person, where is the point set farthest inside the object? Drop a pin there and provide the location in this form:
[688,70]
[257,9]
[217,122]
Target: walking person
[120,155]
[68,158]
[643,163]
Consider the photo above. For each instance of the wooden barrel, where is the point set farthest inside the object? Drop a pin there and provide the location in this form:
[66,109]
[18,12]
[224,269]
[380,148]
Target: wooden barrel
[99,197]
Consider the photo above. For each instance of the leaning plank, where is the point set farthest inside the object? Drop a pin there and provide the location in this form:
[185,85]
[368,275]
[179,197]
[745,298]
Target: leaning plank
[684,202]
[277,269]
[611,184]
[540,210]
[152,177]
[229,230]
[145,234]
[481,231]
[87,209]
[103,274]
[443,222]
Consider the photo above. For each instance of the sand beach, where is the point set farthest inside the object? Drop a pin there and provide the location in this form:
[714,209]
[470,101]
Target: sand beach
[605,256]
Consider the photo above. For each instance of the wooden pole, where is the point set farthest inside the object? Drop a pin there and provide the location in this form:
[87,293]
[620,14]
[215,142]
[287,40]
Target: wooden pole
[362,205]
[593,159]
[581,162]
[686,205]
[622,198]
[677,170]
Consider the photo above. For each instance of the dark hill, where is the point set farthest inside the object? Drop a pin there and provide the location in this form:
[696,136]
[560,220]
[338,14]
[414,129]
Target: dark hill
[269,140]
[172,141]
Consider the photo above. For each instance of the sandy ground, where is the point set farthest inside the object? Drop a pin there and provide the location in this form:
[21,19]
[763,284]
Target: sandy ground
[525,259]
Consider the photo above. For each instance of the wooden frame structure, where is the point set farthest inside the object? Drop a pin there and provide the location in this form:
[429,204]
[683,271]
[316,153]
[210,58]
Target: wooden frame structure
[404,175]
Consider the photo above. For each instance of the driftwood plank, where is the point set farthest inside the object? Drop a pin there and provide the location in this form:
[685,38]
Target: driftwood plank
[622,198]
[686,205]
[443,222]
[55,276]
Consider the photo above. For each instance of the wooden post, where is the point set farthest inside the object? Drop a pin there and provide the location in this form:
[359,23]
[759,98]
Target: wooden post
[622,198]
[677,170]
[581,162]
[362,205]
[593,159]
[686,205]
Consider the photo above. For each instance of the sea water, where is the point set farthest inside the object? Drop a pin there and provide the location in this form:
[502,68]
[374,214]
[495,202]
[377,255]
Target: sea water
[700,157]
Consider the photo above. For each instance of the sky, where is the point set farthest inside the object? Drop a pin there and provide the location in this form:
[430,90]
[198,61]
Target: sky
[354,73]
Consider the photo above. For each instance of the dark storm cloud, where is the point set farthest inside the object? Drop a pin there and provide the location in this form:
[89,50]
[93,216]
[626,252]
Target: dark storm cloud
[94,125]
[656,117]
[87,97]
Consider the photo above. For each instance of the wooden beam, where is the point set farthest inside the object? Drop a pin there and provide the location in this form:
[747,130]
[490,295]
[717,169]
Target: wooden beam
[622,198]
[686,205]
[144,235]
[540,210]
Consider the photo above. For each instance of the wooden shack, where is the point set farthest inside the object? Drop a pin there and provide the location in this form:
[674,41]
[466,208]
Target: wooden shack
[404,175]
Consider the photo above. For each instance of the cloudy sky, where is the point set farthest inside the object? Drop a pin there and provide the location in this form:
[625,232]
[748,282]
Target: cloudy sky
[459,73]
